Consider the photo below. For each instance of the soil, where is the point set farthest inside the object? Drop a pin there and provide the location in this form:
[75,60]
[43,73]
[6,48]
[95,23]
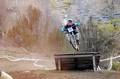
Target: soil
[25,69]
[38,74]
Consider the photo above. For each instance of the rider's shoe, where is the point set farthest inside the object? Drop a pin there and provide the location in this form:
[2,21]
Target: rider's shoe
[77,48]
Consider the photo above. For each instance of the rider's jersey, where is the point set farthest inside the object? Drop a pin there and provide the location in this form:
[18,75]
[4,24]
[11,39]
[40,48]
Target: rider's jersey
[65,26]
[73,26]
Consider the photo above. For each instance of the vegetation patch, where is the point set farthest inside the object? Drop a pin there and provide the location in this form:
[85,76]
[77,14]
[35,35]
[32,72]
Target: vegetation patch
[116,65]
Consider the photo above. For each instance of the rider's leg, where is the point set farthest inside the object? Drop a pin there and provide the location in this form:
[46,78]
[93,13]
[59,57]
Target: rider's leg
[78,37]
[67,37]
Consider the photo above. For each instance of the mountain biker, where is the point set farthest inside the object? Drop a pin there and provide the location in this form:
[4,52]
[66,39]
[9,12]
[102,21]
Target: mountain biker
[75,27]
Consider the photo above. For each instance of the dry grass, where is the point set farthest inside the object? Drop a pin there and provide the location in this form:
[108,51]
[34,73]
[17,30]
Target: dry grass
[25,32]
[21,33]
[55,39]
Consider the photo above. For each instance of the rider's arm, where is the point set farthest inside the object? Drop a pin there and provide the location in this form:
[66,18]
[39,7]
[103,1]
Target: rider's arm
[62,29]
[77,25]
[77,28]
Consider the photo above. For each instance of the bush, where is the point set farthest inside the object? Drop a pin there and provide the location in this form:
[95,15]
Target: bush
[116,65]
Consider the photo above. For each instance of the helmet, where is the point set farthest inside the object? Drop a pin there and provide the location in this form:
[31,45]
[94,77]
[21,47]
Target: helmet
[66,21]
[69,21]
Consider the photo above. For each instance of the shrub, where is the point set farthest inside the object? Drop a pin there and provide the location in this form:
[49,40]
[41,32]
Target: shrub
[116,65]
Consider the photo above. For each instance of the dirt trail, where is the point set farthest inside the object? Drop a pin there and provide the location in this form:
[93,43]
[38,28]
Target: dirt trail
[65,75]
[22,61]
[18,64]
[21,66]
